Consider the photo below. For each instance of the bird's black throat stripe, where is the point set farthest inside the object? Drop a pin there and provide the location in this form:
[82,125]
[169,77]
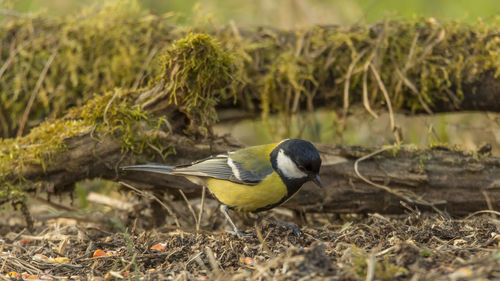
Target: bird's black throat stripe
[292,185]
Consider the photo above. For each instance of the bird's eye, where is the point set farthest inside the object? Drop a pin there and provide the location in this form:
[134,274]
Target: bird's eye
[305,168]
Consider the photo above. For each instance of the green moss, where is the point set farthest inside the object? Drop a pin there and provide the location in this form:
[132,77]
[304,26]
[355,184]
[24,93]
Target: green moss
[384,270]
[284,86]
[36,148]
[197,74]
[426,254]
[116,113]
[422,63]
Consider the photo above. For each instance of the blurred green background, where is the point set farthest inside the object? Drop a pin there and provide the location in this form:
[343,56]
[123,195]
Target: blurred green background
[290,13]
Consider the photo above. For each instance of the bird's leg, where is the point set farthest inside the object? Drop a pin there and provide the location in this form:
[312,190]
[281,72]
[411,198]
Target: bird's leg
[224,209]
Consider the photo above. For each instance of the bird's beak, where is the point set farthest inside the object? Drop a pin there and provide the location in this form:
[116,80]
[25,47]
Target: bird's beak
[317,181]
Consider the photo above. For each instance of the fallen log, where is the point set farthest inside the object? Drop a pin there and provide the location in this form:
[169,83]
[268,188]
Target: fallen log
[448,180]
[438,178]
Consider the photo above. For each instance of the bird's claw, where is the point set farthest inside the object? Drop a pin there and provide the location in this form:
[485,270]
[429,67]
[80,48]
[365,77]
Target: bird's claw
[292,227]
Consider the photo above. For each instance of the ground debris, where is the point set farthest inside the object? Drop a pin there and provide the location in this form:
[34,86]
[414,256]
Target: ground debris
[348,248]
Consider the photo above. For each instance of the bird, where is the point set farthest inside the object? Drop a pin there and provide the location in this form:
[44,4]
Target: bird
[251,179]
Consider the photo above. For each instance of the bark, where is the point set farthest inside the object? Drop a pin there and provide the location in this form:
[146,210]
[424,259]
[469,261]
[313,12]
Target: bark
[452,181]
[456,182]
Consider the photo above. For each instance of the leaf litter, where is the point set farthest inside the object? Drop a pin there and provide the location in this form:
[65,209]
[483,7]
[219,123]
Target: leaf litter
[412,246]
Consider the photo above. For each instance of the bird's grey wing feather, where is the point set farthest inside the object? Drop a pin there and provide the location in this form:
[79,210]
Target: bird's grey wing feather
[214,167]
[222,167]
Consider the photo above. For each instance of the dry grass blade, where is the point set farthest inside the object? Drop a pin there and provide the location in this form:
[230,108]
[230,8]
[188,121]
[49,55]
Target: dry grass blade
[109,201]
[189,207]
[370,271]
[414,89]
[29,105]
[386,96]
[5,259]
[347,84]
[9,60]
[147,195]
[261,239]
[366,102]
[202,205]
[144,67]
[111,100]
[481,212]
[487,199]
[213,263]
[54,204]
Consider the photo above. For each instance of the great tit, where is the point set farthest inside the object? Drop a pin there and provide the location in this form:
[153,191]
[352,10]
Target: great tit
[251,179]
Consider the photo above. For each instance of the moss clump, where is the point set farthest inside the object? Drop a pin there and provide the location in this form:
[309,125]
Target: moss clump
[36,148]
[284,86]
[113,113]
[197,74]
[384,270]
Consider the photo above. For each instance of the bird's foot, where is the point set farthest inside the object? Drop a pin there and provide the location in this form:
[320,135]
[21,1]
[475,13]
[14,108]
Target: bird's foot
[290,226]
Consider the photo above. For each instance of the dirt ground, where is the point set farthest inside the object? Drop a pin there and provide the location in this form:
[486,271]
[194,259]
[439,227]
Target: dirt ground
[412,246]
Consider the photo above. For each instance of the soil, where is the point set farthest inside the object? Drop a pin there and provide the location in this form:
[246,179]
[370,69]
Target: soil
[413,246]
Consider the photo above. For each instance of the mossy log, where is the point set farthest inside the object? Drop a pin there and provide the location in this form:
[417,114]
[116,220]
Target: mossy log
[419,65]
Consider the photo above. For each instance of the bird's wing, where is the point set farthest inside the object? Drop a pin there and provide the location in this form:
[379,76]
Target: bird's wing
[213,167]
[247,166]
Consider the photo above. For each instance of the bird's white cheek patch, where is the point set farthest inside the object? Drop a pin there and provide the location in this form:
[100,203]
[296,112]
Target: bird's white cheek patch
[288,167]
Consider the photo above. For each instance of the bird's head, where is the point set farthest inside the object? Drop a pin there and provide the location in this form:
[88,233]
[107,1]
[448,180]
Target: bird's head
[297,160]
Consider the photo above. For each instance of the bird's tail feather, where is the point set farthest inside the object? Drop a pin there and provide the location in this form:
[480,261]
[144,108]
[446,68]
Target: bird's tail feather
[153,168]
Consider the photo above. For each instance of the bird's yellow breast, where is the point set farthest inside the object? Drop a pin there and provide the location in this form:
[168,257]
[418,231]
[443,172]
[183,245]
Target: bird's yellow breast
[248,198]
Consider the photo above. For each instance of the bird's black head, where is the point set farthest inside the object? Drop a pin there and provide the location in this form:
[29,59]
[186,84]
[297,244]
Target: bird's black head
[297,161]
